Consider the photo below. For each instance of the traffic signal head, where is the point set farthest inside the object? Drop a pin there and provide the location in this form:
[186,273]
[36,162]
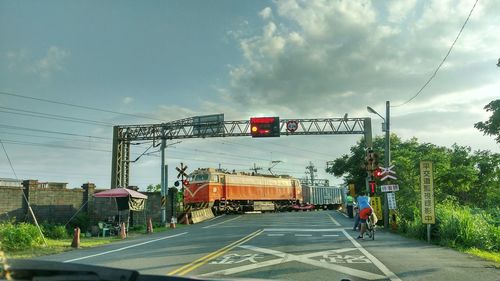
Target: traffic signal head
[265,127]
[377,173]
[372,186]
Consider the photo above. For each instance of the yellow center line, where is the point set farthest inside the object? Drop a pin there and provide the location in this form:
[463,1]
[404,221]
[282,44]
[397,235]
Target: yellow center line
[203,260]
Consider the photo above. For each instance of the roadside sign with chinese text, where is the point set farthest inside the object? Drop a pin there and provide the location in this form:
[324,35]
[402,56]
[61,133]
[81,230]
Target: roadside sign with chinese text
[427,192]
[389,187]
[376,204]
[391,201]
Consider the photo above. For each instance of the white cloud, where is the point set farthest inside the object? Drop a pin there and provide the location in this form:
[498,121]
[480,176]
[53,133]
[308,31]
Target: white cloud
[127,100]
[313,52]
[399,10]
[53,61]
[266,13]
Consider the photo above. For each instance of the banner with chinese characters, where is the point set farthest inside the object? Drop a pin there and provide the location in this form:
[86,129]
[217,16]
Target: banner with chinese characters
[376,204]
[427,191]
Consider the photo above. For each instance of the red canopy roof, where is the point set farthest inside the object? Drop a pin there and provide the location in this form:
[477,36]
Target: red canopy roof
[120,192]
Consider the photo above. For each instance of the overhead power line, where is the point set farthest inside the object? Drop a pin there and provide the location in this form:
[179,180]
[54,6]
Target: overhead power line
[30,113]
[49,132]
[442,62]
[79,106]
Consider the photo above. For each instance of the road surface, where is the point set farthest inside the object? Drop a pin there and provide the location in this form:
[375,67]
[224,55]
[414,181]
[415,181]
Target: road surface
[285,246]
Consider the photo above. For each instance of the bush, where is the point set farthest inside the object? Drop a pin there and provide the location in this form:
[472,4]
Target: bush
[54,231]
[466,228]
[14,237]
[456,226]
[82,220]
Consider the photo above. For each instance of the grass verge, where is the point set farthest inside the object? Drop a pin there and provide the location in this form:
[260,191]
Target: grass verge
[56,246]
[490,256]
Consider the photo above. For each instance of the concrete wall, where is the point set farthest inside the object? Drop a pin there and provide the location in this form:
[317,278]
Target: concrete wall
[11,203]
[56,204]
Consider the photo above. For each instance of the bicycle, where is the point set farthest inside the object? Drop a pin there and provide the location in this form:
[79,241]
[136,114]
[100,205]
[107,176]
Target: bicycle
[370,227]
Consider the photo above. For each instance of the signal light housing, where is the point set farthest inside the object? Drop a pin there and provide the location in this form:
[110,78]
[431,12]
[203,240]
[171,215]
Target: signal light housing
[377,173]
[372,186]
[261,127]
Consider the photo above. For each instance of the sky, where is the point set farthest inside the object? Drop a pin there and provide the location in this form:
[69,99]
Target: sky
[168,60]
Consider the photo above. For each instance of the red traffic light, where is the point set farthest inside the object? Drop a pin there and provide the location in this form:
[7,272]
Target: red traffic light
[265,127]
[377,173]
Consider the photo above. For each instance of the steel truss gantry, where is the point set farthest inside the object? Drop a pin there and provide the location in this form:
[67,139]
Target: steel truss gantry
[187,128]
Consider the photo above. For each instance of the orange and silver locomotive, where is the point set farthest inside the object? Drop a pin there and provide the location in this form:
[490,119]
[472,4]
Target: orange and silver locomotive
[240,192]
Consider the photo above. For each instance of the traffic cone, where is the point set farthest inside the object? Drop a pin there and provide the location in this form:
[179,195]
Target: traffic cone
[186,218]
[76,238]
[150,226]
[172,223]
[123,234]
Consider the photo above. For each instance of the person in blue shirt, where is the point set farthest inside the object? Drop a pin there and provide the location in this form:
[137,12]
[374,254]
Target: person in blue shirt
[365,210]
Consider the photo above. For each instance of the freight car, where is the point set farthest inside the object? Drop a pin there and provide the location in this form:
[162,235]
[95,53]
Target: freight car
[240,192]
[323,197]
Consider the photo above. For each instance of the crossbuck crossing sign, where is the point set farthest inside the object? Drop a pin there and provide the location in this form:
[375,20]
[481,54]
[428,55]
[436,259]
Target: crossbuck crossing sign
[388,173]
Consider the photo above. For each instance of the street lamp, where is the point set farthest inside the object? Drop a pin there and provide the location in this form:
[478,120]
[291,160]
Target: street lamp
[387,152]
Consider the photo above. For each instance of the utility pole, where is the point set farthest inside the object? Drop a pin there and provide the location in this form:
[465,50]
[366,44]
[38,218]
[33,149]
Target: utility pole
[255,168]
[311,170]
[163,182]
[387,156]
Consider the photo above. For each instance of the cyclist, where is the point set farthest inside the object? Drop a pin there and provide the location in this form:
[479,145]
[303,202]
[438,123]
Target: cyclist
[365,210]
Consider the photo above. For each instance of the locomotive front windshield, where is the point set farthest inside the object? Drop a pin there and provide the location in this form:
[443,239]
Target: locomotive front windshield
[198,178]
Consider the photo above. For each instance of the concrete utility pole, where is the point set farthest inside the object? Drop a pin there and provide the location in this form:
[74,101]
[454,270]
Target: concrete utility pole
[387,156]
[311,170]
[163,182]
[387,153]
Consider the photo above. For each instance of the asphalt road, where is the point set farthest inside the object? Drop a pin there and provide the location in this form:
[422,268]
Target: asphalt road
[284,246]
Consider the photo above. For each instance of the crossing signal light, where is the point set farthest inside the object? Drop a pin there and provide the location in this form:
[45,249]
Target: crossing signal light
[261,127]
[377,173]
[372,186]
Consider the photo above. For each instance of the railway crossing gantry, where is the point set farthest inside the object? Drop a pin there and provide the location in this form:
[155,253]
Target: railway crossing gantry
[214,126]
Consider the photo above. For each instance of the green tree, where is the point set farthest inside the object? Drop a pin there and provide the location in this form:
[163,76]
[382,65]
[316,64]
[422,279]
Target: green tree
[492,126]
[153,188]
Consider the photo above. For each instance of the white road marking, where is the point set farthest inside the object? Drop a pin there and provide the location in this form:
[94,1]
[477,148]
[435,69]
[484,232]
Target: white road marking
[124,248]
[330,235]
[277,234]
[286,257]
[214,218]
[302,229]
[212,225]
[375,261]
[303,235]
[343,214]
[334,221]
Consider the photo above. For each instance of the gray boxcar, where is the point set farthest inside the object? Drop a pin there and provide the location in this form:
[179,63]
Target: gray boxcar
[323,197]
